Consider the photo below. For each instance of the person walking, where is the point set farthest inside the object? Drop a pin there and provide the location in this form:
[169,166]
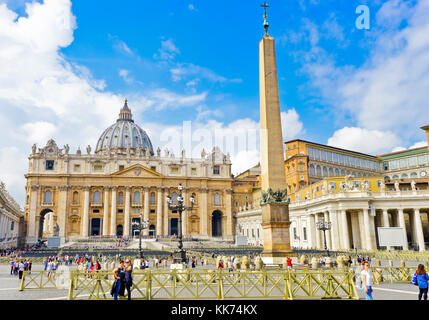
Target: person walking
[289,262]
[420,279]
[366,276]
[128,277]
[21,270]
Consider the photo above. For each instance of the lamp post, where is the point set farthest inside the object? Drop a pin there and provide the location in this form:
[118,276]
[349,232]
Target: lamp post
[140,226]
[179,205]
[324,226]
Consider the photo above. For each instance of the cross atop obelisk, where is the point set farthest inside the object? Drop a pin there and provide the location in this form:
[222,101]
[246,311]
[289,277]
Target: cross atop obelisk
[266,25]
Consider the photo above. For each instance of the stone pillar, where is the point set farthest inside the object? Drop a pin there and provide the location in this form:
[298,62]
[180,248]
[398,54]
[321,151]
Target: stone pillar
[62,210]
[106,211]
[228,205]
[335,239]
[401,222]
[298,243]
[165,215]
[367,227]
[312,231]
[203,211]
[113,212]
[32,227]
[345,230]
[85,218]
[386,221]
[159,192]
[419,229]
[362,227]
[328,232]
[355,230]
[319,244]
[146,209]
[127,212]
[185,213]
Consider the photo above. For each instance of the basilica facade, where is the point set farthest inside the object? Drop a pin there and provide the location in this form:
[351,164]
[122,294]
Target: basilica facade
[122,182]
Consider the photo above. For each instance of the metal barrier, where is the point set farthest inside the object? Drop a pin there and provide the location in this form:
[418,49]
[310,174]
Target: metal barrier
[39,280]
[218,284]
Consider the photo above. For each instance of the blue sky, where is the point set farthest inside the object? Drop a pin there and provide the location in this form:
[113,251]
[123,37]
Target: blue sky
[70,63]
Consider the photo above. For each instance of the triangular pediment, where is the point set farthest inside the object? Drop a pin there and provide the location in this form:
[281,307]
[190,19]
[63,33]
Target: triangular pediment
[137,170]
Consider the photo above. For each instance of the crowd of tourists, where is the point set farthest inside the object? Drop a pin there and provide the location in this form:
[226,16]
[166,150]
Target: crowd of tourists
[17,267]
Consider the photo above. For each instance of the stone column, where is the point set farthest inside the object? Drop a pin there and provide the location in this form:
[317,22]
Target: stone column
[106,211]
[312,231]
[185,213]
[127,211]
[345,230]
[298,243]
[34,196]
[62,210]
[159,192]
[228,205]
[85,218]
[328,233]
[319,244]
[367,226]
[203,211]
[386,221]
[419,229]
[113,212]
[335,240]
[146,209]
[165,215]
[401,221]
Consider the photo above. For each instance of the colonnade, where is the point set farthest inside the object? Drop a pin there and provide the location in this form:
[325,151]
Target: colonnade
[357,228]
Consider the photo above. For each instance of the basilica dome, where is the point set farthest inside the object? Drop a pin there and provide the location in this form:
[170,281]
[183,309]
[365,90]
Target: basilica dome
[123,134]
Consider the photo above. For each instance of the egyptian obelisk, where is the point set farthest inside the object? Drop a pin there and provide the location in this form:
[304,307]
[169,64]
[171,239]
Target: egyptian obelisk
[274,203]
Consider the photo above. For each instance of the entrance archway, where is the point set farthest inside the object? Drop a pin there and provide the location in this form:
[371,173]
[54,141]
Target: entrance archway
[174,226]
[95,226]
[217,223]
[43,213]
[119,230]
[152,230]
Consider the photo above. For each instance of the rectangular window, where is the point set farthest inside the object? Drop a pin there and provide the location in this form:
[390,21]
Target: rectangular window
[76,168]
[403,163]
[412,161]
[194,171]
[174,170]
[120,210]
[394,164]
[422,160]
[96,211]
[216,170]
[340,159]
[335,157]
[153,168]
[304,231]
[317,154]
[310,153]
[121,167]
[294,234]
[152,210]
[49,164]
[98,168]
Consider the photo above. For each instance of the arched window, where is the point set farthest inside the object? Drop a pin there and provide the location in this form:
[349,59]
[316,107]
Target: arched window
[318,171]
[404,176]
[174,197]
[136,197]
[217,199]
[75,197]
[47,198]
[325,171]
[152,198]
[96,197]
[312,170]
[386,178]
[395,176]
[337,172]
[343,172]
[331,172]
[413,175]
[121,198]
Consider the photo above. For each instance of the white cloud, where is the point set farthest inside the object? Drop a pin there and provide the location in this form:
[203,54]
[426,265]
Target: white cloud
[291,125]
[125,75]
[185,70]
[363,140]
[191,7]
[419,144]
[38,132]
[168,51]
[120,46]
